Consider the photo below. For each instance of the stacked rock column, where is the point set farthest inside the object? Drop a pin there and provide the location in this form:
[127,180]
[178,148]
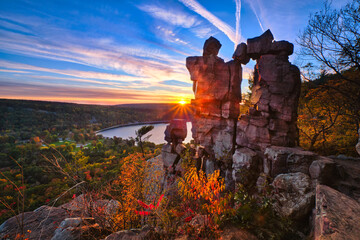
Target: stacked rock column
[216,86]
[275,93]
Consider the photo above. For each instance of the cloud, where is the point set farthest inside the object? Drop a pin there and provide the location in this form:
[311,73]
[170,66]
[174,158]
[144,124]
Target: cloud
[256,7]
[116,68]
[137,61]
[172,16]
[176,83]
[237,17]
[203,32]
[171,36]
[222,26]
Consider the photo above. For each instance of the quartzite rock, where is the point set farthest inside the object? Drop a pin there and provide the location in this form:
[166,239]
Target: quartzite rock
[240,54]
[259,45]
[358,144]
[294,197]
[337,215]
[176,131]
[42,223]
[217,97]
[245,166]
[211,47]
[323,170]
[272,118]
[133,234]
[77,228]
[286,160]
[282,48]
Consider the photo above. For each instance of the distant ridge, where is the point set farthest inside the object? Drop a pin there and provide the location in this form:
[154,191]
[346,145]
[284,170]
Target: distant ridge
[147,105]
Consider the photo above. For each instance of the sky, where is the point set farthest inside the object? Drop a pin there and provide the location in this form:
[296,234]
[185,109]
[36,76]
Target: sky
[128,51]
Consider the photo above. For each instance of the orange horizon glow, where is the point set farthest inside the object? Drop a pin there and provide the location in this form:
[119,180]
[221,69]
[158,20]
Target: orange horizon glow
[96,101]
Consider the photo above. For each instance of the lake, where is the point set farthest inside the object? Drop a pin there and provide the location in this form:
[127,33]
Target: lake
[157,134]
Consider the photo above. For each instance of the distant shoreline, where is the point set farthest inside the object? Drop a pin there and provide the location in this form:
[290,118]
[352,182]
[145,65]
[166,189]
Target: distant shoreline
[132,124]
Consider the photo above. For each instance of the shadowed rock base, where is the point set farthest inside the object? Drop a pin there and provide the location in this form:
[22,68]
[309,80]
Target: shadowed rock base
[337,216]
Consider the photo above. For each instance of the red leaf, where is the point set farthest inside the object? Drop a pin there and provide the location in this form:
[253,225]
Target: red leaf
[158,203]
[142,213]
[188,219]
[144,205]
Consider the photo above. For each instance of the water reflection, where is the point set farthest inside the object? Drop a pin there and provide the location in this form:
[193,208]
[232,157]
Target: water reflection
[157,134]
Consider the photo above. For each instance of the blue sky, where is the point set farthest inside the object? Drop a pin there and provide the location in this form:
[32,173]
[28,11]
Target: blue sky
[114,52]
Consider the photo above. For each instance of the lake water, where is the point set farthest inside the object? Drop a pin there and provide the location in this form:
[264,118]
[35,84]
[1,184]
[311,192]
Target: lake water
[157,134]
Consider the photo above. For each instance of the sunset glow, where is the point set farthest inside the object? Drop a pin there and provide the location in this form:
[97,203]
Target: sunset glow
[182,102]
[114,52]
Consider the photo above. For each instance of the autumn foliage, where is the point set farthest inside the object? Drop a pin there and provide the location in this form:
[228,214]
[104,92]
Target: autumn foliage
[205,194]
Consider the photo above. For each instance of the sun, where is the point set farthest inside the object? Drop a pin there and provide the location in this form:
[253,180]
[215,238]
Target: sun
[182,102]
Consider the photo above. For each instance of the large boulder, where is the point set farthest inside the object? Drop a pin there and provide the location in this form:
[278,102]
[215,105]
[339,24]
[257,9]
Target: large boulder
[282,48]
[240,54]
[323,170]
[77,228]
[211,47]
[337,215]
[176,131]
[245,166]
[294,196]
[358,144]
[259,45]
[287,160]
[85,205]
[169,157]
[41,223]
[132,234]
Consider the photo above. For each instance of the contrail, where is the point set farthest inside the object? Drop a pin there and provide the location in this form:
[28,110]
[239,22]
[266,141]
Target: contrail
[251,3]
[225,28]
[237,16]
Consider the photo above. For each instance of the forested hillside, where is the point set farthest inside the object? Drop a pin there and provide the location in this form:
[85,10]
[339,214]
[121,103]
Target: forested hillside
[23,120]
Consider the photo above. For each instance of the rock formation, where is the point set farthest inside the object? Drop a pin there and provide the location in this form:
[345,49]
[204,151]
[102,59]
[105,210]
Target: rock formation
[271,121]
[262,144]
[358,144]
[175,133]
[216,86]
[336,215]
[275,93]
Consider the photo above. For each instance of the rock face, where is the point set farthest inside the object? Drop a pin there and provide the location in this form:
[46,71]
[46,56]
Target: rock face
[287,160]
[358,144]
[77,228]
[271,120]
[42,222]
[216,86]
[337,216]
[175,133]
[133,234]
[324,171]
[246,166]
[68,221]
[275,94]
[294,195]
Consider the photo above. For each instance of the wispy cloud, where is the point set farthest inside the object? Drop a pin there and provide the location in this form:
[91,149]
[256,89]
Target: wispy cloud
[203,31]
[256,7]
[237,19]
[222,26]
[172,16]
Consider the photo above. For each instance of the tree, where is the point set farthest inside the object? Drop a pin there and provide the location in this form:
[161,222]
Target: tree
[142,132]
[332,38]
